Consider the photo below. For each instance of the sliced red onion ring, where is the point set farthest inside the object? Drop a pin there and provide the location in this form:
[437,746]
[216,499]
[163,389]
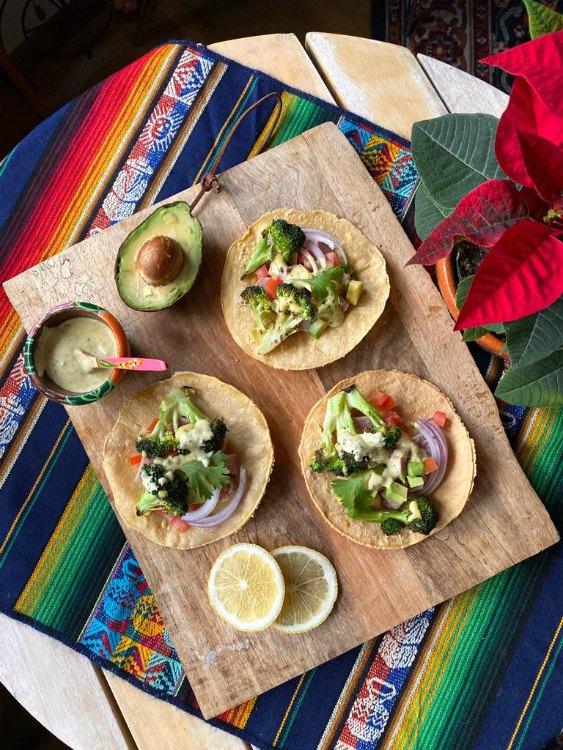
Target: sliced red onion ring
[431,437]
[344,304]
[315,250]
[316,235]
[204,510]
[229,509]
[363,424]
[262,281]
[310,260]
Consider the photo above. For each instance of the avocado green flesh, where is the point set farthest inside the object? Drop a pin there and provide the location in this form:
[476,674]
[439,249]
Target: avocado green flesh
[173,220]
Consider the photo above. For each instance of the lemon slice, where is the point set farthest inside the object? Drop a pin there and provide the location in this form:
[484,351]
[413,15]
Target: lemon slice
[246,587]
[311,588]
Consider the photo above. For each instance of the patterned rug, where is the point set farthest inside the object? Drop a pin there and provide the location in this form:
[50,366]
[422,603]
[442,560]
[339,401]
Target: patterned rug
[480,671]
[459,32]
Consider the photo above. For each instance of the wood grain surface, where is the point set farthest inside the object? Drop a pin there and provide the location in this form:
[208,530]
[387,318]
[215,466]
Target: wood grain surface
[376,80]
[503,522]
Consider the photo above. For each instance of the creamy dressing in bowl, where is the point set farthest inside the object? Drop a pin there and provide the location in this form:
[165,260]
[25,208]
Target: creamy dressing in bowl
[55,355]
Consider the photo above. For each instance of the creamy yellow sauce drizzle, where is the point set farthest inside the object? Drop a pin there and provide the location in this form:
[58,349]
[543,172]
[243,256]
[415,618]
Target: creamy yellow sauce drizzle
[55,353]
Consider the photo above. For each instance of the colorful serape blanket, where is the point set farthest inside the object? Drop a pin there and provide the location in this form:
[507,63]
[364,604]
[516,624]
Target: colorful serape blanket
[480,671]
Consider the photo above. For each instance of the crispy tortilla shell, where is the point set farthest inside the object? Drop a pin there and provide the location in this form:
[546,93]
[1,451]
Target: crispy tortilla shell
[300,351]
[248,437]
[416,398]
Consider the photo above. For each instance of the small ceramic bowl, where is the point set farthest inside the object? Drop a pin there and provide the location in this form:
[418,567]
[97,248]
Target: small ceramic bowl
[58,315]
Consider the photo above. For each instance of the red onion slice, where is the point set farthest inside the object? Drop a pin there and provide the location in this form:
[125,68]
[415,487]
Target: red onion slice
[431,437]
[229,509]
[310,258]
[143,462]
[204,510]
[315,250]
[317,235]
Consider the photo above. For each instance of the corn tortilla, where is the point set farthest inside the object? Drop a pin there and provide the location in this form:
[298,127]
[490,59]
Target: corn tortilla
[300,351]
[416,398]
[248,437]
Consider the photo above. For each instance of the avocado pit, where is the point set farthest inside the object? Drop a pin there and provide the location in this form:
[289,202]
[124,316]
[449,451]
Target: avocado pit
[160,260]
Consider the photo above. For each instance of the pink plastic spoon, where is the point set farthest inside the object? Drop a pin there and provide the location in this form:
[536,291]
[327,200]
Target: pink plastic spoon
[142,364]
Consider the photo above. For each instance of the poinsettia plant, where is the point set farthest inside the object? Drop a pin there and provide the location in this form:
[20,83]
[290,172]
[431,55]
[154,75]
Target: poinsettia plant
[499,184]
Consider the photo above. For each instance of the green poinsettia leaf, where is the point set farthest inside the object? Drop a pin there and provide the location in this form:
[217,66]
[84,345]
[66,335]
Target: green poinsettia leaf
[427,213]
[470,334]
[542,19]
[536,336]
[453,154]
[539,384]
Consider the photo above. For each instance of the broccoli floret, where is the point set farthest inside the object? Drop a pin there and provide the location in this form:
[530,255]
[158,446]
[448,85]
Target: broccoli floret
[170,495]
[260,304]
[156,446]
[392,435]
[290,299]
[286,239]
[293,307]
[161,440]
[337,422]
[392,521]
[215,442]
[356,400]
[341,465]
[391,526]
[281,240]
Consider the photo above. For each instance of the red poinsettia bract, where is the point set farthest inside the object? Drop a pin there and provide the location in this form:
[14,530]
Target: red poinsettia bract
[523,227]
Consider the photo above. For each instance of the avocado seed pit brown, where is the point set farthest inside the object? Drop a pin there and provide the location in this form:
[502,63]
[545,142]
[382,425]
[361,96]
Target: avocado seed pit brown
[160,260]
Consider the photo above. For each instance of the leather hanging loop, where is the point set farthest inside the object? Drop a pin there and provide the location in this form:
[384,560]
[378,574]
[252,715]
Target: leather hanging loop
[209,180]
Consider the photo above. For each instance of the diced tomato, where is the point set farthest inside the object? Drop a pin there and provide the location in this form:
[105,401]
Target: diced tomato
[178,524]
[392,418]
[135,459]
[379,399]
[441,419]
[152,425]
[429,465]
[272,285]
[193,506]
[262,271]
[333,259]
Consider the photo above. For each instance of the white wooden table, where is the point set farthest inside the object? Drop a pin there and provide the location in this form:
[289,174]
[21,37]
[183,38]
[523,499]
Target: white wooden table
[87,707]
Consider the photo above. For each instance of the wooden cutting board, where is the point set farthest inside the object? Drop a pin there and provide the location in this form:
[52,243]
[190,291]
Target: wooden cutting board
[504,521]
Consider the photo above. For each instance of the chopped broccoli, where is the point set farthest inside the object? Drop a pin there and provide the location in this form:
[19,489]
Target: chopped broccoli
[170,495]
[392,435]
[286,239]
[215,442]
[338,422]
[357,400]
[391,526]
[341,465]
[281,240]
[161,440]
[260,304]
[293,308]
[422,524]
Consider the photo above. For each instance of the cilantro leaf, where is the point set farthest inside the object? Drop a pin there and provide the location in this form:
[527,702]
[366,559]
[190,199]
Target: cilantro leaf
[353,493]
[204,480]
[322,283]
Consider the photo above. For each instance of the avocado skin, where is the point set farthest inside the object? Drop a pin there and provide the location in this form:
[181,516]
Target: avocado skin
[173,220]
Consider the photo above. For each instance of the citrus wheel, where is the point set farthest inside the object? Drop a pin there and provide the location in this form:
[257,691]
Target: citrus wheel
[246,587]
[311,588]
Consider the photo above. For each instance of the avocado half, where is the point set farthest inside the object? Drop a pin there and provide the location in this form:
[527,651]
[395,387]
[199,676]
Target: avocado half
[158,261]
